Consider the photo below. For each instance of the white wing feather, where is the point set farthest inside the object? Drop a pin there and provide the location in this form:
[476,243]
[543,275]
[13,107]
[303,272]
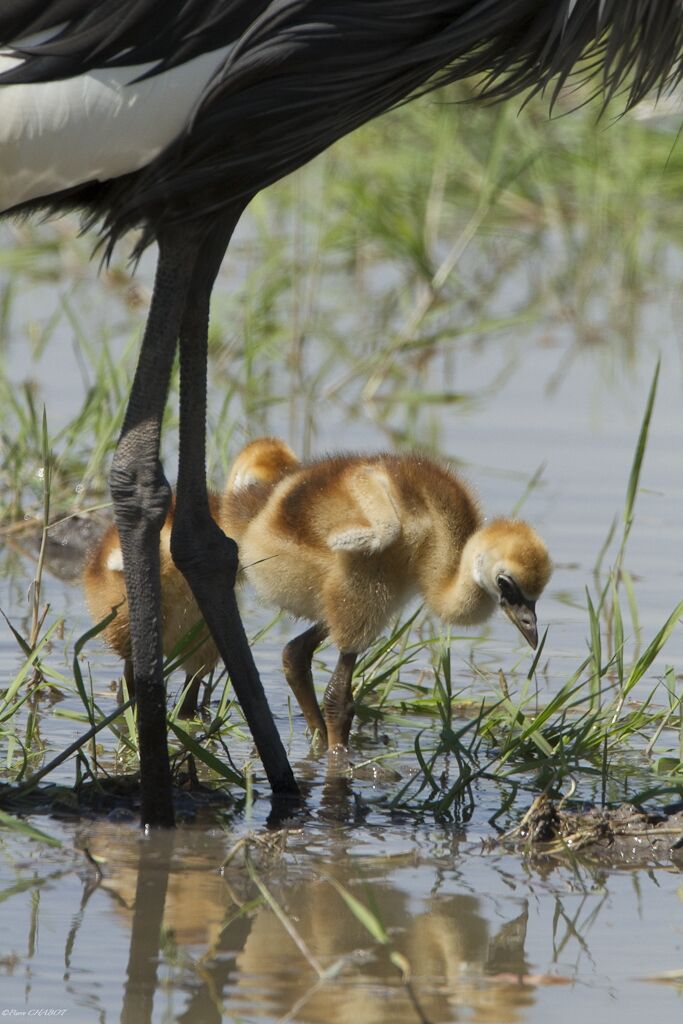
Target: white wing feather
[95,126]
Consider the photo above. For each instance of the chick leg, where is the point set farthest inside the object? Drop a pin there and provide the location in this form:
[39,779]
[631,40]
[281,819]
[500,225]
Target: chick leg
[296,662]
[338,702]
[188,708]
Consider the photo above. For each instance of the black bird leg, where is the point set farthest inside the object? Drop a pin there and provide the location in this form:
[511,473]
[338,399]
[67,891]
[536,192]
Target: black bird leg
[141,498]
[202,552]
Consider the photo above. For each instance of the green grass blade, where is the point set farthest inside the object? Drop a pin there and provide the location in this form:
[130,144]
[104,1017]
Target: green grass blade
[363,914]
[207,758]
[653,649]
[634,477]
[17,825]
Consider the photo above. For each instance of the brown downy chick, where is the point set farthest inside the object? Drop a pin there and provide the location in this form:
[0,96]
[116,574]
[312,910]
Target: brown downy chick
[264,461]
[345,541]
[261,463]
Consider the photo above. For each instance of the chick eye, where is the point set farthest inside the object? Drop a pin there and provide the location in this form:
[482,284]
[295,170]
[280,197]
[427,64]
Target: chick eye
[509,591]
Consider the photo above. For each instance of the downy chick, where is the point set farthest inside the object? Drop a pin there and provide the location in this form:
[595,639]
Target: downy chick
[262,462]
[345,541]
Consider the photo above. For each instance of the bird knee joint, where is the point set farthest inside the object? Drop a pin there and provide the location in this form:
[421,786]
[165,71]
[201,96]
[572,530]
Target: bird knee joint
[203,550]
[140,493]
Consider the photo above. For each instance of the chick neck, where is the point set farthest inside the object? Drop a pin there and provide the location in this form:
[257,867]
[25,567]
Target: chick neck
[467,597]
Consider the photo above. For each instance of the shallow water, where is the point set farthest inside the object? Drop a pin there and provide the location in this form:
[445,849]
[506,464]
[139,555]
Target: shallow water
[476,933]
[171,934]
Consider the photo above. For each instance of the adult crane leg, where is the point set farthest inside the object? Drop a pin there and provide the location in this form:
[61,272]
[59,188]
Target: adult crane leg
[141,496]
[202,552]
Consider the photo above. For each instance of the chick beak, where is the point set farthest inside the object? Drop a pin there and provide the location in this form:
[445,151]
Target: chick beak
[523,615]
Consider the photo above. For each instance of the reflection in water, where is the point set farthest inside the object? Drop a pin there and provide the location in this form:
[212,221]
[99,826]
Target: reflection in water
[239,958]
[448,948]
[177,928]
[151,890]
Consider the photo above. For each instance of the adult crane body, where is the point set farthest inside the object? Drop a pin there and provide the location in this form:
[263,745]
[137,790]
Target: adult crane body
[168,116]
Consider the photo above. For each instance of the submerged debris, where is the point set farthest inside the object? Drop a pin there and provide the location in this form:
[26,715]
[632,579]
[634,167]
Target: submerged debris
[116,797]
[69,540]
[624,836]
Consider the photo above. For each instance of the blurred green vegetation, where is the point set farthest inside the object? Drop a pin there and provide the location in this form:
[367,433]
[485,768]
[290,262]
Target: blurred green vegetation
[349,278]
